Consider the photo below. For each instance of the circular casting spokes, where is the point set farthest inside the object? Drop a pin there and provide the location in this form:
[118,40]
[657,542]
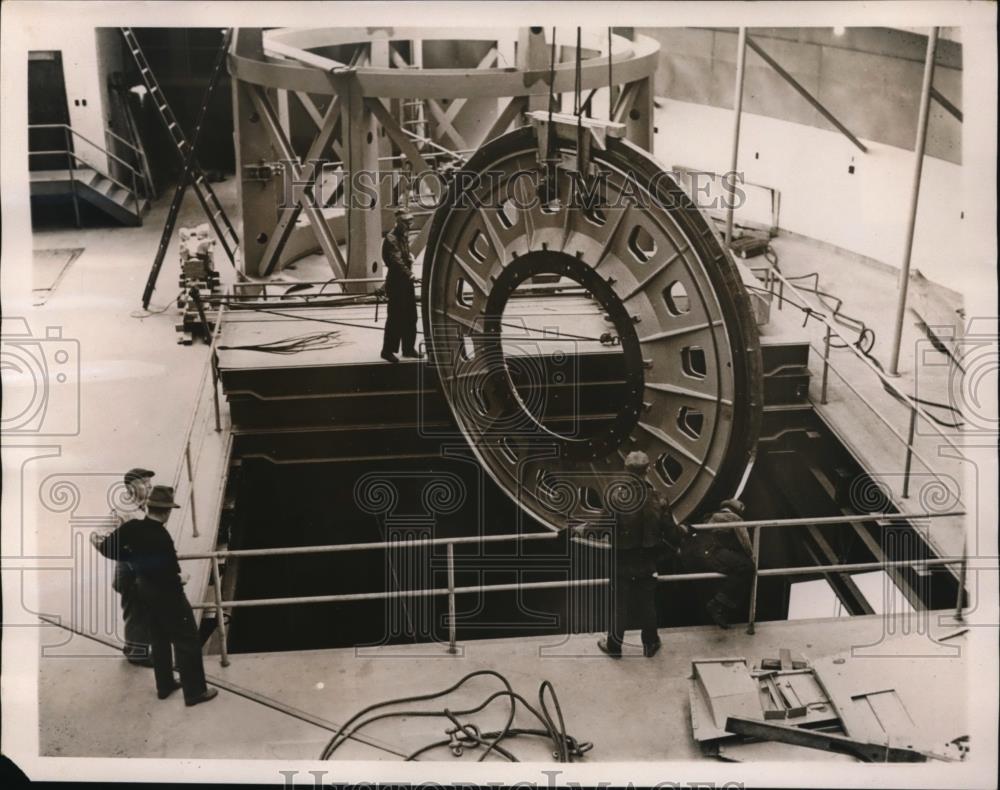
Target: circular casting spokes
[660,285]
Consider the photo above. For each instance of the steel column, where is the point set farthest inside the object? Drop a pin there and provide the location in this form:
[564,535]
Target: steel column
[741,59]
[258,199]
[364,217]
[918,166]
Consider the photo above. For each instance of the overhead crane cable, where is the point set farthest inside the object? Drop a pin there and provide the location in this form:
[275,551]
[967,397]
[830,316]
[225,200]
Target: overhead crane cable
[611,102]
[552,79]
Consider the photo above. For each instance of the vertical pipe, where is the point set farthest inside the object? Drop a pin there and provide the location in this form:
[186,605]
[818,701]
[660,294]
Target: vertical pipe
[220,617]
[826,365]
[741,60]
[753,583]
[918,166]
[909,453]
[451,599]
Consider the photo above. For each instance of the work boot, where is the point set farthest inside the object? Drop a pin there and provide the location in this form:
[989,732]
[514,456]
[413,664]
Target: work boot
[651,650]
[164,693]
[388,356]
[413,354]
[205,696]
[602,645]
[718,613]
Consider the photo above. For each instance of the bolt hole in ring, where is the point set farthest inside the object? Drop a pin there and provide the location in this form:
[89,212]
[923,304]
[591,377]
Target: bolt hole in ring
[649,273]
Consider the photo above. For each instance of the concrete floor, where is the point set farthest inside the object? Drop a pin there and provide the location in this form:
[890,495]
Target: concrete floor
[136,395]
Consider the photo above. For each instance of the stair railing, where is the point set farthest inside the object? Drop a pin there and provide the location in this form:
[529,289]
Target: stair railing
[72,156]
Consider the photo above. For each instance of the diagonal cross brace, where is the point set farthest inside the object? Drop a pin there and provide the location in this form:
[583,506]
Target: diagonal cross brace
[307,173]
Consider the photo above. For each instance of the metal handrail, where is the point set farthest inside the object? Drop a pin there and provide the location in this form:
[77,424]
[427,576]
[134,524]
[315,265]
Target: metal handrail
[87,140]
[832,330]
[119,138]
[911,451]
[451,591]
[79,158]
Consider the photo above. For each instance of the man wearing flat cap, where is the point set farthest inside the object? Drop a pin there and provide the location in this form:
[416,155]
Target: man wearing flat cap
[401,311]
[725,551]
[643,524]
[138,483]
[149,550]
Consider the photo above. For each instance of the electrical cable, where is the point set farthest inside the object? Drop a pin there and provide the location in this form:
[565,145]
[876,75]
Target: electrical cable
[318,341]
[468,735]
[145,312]
[866,335]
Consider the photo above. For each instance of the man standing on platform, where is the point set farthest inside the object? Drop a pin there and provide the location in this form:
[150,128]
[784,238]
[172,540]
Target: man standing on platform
[643,526]
[149,550]
[401,318]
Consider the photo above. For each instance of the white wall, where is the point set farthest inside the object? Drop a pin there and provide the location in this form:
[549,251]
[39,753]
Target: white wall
[864,212]
[80,67]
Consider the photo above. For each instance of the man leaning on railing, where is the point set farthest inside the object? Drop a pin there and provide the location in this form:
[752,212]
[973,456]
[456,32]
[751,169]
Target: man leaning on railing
[725,551]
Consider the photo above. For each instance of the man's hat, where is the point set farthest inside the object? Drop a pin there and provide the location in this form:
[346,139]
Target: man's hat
[138,474]
[637,459]
[161,497]
[734,505]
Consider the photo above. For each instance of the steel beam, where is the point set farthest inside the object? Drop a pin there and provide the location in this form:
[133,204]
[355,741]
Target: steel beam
[533,59]
[515,107]
[361,200]
[948,106]
[911,225]
[258,200]
[741,59]
[316,219]
[805,94]
[307,176]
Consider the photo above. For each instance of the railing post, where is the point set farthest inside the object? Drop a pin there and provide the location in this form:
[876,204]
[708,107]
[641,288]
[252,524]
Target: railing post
[135,197]
[215,387]
[220,615]
[826,365]
[72,175]
[190,477]
[962,574]
[753,582]
[451,599]
[909,453]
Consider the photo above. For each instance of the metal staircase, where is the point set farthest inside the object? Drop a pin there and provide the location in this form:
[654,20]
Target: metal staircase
[81,180]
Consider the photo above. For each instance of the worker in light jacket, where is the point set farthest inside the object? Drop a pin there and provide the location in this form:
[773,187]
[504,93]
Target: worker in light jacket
[401,318]
[149,550]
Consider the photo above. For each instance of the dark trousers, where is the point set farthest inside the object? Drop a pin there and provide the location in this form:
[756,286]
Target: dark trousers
[633,597]
[172,625]
[137,642]
[401,314]
[705,552]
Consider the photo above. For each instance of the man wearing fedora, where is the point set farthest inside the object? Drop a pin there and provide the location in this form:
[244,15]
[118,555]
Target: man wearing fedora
[401,311]
[137,650]
[149,550]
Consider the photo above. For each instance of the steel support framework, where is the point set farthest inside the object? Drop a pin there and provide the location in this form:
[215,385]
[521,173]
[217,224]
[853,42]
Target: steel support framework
[355,106]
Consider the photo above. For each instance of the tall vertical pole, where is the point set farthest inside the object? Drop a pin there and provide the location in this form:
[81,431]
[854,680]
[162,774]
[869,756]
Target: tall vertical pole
[741,62]
[918,166]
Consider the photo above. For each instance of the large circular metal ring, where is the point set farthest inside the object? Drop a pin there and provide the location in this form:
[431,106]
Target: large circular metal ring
[655,272]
